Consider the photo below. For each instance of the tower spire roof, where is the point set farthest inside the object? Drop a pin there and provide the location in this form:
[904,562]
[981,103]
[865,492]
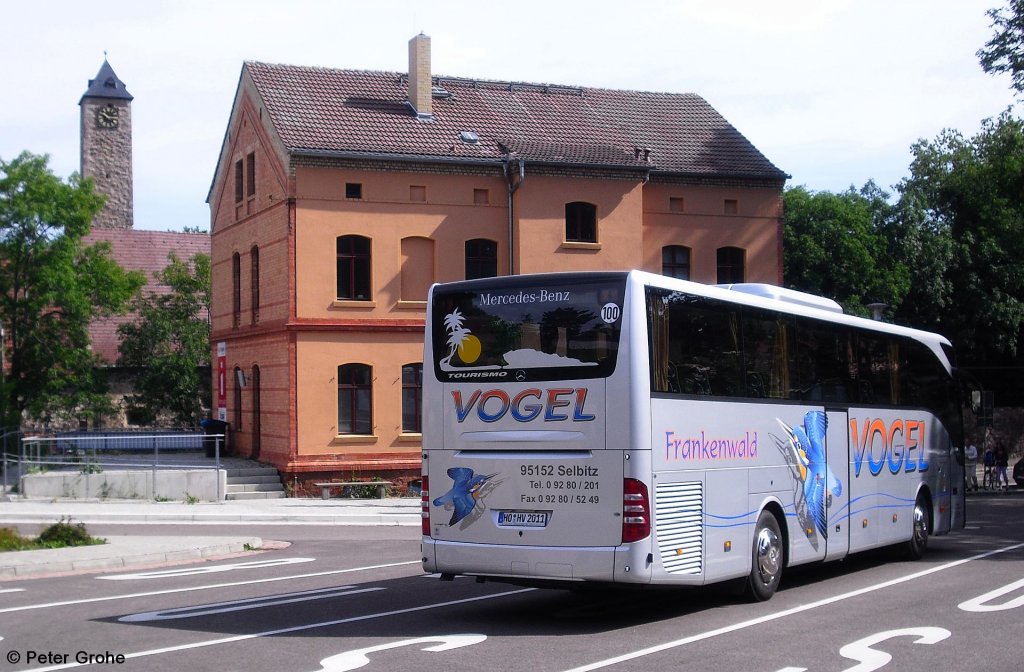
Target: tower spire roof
[106,85]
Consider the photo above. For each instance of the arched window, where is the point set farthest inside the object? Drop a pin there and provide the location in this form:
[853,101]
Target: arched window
[254,281]
[481,258]
[412,398]
[250,174]
[257,424]
[355,399]
[238,400]
[675,261]
[417,268]
[731,262]
[353,268]
[236,289]
[580,222]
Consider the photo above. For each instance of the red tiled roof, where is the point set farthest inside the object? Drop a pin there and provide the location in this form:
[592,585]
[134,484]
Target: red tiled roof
[320,110]
[137,250]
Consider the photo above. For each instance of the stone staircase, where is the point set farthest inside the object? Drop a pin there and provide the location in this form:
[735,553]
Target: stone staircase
[254,482]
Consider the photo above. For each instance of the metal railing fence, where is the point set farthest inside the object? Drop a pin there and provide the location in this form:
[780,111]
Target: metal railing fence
[103,451]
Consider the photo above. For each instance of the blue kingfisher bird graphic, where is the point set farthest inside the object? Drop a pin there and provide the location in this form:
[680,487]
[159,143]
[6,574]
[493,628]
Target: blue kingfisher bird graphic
[464,493]
[807,446]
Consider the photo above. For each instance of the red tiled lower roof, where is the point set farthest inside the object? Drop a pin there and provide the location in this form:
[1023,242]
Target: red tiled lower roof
[137,250]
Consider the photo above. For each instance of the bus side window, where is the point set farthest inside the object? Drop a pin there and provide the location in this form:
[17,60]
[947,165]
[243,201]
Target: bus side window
[710,353]
[695,345]
[875,370]
[822,367]
[768,353]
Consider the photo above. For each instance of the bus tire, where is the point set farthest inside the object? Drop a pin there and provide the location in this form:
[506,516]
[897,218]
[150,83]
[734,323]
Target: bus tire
[766,558]
[918,544]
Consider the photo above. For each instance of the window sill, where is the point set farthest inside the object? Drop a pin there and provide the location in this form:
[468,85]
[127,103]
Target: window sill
[412,305]
[355,438]
[410,437]
[348,303]
[589,247]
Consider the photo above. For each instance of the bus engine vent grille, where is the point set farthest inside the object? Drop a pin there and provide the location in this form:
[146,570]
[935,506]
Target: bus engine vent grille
[679,521]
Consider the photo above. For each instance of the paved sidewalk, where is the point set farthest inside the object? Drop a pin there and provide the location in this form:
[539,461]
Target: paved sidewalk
[151,551]
[396,511]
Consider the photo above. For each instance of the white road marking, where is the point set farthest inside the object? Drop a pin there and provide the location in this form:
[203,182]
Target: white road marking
[783,614]
[190,589]
[241,605]
[979,604]
[205,569]
[353,660]
[295,628]
[870,659]
[12,590]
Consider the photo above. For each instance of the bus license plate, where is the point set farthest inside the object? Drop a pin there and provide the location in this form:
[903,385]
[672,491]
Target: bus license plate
[523,518]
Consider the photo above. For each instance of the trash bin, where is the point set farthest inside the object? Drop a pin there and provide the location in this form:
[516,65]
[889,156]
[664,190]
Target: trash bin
[211,430]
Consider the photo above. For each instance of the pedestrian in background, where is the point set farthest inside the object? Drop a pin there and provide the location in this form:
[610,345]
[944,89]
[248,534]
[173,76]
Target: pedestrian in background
[972,467]
[988,462]
[1002,462]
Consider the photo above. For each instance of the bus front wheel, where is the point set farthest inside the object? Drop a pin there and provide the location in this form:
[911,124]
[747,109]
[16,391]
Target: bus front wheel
[918,543]
[767,558]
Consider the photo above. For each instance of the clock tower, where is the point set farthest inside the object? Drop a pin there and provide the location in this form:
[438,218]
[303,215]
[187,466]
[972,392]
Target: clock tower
[106,146]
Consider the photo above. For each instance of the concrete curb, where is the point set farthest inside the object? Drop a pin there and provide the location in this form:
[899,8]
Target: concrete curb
[121,553]
[388,520]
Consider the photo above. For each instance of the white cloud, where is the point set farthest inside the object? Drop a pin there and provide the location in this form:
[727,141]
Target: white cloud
[832,92]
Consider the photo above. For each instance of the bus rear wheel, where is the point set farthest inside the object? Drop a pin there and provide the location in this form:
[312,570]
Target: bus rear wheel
[767,558]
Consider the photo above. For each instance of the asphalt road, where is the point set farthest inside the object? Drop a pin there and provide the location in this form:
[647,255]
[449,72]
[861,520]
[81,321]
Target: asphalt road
[342,598]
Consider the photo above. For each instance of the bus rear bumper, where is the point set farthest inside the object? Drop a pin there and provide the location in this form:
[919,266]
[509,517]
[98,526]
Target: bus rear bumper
[536,563]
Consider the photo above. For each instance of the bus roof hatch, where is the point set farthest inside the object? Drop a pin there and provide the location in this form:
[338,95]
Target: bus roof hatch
[767,291]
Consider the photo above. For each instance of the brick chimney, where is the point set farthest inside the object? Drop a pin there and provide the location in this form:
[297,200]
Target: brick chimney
[420,89]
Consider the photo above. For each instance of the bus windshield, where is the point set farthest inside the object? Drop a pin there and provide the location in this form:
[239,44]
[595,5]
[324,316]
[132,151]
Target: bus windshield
[552,329]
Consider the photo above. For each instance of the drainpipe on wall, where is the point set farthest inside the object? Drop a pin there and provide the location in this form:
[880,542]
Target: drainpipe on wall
[515,180]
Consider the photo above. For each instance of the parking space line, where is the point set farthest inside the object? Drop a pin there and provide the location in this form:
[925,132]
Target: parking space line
[241,605]
[204,569]
[785,613]
[296,628]
[190,589]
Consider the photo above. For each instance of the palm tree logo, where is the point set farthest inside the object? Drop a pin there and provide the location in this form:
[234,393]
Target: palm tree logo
[461,340]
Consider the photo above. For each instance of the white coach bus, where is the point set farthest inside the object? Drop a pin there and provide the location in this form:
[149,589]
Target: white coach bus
[630,428]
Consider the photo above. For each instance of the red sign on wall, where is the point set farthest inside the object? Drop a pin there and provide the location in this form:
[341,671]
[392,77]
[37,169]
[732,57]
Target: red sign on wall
[222,381]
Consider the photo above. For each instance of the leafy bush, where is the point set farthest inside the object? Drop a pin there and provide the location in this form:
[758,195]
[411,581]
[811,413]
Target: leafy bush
[58,535]
[63,534]
[10,540]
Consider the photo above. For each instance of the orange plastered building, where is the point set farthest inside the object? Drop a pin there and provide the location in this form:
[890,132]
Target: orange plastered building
[340,196]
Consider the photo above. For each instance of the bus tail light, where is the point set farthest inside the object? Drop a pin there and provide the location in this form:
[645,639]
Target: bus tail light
[636,511]
[425,509]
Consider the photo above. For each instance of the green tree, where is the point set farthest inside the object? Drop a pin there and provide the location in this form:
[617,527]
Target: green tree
[1004,53]
[170,344]
[51,287]
[838,245]
[925,248]
[972,191]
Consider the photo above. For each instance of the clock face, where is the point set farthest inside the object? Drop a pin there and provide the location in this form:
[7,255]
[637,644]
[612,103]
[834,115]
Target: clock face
[106,117]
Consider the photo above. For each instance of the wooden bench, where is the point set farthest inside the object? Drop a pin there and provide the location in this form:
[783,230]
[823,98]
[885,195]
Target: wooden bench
[325,488]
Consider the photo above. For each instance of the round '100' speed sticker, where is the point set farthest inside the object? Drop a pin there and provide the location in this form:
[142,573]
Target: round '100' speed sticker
[610,313]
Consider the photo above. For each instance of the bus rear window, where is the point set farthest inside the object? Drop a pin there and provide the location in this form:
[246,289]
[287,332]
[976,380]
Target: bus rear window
[510,331]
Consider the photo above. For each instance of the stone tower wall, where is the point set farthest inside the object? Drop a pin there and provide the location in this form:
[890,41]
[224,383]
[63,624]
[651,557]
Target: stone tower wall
[107,159]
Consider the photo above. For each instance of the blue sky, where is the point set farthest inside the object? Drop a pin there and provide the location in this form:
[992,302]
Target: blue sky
[833,92]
